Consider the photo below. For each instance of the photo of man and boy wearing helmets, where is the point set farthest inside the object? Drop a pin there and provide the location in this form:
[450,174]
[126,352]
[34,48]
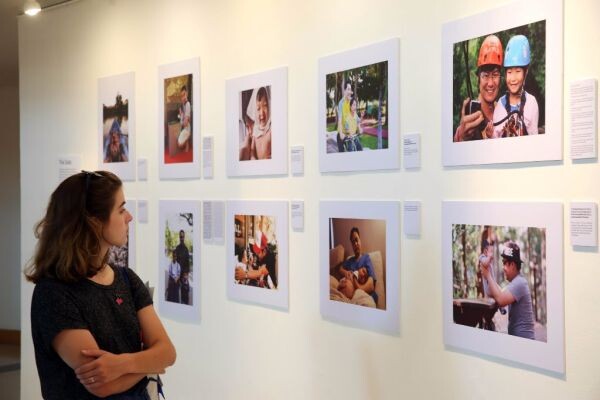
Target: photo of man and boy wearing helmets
[499,84]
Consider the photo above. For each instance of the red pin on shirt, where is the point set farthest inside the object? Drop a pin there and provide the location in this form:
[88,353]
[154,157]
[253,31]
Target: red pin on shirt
[119,301]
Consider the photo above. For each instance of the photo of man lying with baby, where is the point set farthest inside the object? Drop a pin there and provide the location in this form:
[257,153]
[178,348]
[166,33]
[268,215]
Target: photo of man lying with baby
[255,251]
[357,258]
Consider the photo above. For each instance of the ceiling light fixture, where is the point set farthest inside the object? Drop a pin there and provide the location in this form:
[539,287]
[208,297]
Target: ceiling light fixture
[32,7]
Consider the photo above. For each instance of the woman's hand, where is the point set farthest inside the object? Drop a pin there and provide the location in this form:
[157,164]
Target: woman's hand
[105,368]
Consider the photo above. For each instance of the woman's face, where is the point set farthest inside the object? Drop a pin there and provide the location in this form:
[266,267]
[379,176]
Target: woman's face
[184,97]
[262,111]
[114,231]
[114,139]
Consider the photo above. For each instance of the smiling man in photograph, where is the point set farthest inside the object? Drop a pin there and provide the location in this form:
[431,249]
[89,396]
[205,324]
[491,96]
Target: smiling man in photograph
[476,123]
[516,295]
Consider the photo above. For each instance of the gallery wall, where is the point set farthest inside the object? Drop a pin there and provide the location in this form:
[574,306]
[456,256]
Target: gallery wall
[10,238]
[240,350]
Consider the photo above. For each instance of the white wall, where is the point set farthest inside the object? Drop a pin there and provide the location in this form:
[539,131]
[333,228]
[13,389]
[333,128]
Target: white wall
[244,351]
[10,209]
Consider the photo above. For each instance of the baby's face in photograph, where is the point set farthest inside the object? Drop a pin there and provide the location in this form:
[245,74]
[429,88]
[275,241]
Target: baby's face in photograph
[363,275]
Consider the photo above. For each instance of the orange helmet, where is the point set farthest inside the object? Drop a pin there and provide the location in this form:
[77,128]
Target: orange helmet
[490,52]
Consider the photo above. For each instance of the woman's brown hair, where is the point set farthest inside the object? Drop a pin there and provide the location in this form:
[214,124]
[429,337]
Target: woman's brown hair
[68,247]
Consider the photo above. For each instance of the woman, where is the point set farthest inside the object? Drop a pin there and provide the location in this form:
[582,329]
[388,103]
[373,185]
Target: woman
[88,318]
[115,150]
[353,128]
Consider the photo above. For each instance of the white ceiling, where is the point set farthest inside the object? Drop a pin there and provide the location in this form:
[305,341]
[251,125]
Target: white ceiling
[9,54]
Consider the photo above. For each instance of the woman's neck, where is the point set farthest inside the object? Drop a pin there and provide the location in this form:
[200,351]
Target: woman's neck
[104,276]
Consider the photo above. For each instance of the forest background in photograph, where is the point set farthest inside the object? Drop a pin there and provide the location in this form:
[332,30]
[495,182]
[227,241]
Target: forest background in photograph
[535,83]
[466,248]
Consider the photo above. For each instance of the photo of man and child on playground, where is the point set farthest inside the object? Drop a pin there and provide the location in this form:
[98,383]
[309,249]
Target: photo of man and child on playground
[356,114]
[499,84]
[255,260]
[499,279]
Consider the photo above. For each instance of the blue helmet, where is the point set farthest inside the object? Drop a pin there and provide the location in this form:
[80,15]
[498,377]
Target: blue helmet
[517,53]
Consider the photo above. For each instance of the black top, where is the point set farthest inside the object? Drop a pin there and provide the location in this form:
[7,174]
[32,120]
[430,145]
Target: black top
[183,257]
[109,312]
[269,261]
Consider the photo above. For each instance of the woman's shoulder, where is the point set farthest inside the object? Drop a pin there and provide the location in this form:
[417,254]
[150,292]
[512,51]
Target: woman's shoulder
[52,291]
[50,284]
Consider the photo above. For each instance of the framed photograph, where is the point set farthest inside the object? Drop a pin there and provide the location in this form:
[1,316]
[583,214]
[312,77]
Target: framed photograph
[358,108]
[116,125]
[502,80]
[257,252]
[179,120]
[502,269]
[124,256]
[360,263]
[179,259]
[256,106]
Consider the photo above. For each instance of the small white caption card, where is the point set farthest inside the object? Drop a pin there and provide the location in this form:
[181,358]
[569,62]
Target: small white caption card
[298,215]
[207,221]
[68,164]
[297,158]
[207,157]
[213,213]
[584,118]
[584,224]
[412,218]
[218,222]
[412,151]
[142,167]
[142,211]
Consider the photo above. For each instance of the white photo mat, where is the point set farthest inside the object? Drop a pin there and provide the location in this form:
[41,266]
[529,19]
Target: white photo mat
[549,355]
[278,298]
[388,320]
[388,50]
[108,89]
[183,312]
[278,108]
[518,149]
[185,169]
